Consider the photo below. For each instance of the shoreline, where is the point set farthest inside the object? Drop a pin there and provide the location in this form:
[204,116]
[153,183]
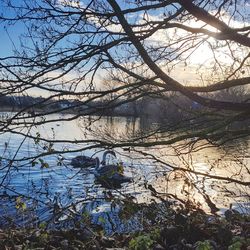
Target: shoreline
[31,111]
[188,228]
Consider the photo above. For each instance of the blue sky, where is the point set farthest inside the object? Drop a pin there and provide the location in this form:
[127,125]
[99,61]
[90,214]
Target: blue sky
[14,31]
[7,39]
[9,33]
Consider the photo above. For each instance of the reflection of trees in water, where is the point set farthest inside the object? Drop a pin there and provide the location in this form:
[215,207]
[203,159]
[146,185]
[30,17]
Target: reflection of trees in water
[108,127]
[204,176]
[64,68]
[238,147]
[226,161]
[190,187]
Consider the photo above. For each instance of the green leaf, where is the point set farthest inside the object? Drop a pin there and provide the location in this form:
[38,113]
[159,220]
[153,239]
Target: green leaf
[235,246]
[42,225]
[101,220]
[203,245]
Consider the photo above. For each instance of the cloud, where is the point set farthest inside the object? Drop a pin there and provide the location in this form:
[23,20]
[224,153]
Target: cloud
[70,3]
[206,48]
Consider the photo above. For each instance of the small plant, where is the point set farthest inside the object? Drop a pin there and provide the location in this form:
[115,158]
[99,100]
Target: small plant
[20,204]
[238,243]
[43,225]
[145,241]
[141,242]
[203,245]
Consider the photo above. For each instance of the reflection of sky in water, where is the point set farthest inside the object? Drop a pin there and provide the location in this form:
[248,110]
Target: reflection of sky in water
[67,185]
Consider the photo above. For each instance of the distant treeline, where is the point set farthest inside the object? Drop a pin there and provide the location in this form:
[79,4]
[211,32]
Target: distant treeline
[168,107]
[147,106]
[37,103]
[19,101]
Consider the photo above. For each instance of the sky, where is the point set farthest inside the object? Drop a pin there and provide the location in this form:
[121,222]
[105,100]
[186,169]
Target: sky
[203,55]
[9,40]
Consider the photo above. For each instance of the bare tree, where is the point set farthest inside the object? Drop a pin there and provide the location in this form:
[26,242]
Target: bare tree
[179,52]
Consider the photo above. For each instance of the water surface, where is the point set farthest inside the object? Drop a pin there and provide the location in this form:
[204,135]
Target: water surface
[52,183]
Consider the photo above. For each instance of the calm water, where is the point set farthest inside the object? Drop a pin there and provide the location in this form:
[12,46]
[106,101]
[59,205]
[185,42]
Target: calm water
[44,190]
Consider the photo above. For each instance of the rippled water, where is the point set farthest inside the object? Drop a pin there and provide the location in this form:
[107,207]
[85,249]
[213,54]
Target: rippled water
[43,190]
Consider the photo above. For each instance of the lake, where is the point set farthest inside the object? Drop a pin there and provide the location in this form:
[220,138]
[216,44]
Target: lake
[30,193]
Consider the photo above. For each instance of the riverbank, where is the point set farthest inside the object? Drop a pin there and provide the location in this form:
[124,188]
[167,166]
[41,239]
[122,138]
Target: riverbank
[73,111]
[181,229]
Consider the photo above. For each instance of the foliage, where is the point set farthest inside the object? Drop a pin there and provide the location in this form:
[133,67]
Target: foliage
[20,204]
[150,237]
[239,243]
[141,242]
[205,245]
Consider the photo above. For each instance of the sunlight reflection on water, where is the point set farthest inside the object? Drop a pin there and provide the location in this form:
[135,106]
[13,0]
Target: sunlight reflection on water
[66,185]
